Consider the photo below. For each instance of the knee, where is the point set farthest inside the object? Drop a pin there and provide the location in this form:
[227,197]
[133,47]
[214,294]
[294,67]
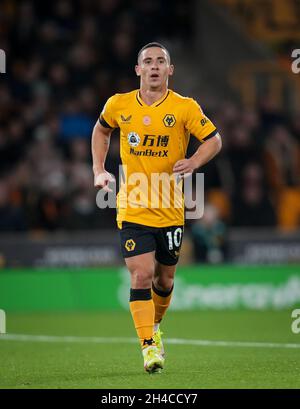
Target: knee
[141,278]
[164,283]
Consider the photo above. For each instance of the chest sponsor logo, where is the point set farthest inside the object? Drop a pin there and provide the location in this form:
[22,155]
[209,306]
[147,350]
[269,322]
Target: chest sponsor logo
[156,140]
[133,139]
[150,152]
[153,142]
[169,120]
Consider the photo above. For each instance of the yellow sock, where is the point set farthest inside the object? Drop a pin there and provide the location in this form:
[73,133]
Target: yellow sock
[142,311]
[161,301]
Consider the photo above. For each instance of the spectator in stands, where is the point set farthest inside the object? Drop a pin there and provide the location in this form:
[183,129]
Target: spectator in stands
[282,158]
[241,151]
[209,237]
[251,205]
[12,218]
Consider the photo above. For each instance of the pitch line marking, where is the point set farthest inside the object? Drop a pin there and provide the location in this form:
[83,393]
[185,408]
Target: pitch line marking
[171,341]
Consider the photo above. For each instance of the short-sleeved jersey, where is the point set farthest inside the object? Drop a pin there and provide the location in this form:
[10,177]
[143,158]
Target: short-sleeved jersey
[152,139]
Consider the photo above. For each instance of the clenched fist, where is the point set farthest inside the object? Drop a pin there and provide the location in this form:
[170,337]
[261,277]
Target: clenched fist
[102,180]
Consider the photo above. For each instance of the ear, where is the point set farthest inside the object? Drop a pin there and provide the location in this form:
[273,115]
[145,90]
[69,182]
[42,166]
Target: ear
[138,70]
[171,70]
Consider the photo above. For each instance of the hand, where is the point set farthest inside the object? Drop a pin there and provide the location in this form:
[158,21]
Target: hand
[102,180]
[184,167]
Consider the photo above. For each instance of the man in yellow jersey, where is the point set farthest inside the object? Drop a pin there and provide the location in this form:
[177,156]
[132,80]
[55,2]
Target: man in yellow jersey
[155,125]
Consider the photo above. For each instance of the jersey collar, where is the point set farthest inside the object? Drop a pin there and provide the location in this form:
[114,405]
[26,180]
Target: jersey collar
[156,103]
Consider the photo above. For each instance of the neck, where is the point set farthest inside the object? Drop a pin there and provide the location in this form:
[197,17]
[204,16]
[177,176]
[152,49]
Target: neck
[150,96]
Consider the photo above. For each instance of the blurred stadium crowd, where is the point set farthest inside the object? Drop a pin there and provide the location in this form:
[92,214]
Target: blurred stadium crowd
[63,63]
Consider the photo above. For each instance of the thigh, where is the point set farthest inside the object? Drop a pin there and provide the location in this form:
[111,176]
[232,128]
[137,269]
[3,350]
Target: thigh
[136,240]
[143,264]
[168,244]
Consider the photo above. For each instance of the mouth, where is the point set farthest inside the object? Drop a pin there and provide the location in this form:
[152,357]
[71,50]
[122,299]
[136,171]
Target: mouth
[154,76]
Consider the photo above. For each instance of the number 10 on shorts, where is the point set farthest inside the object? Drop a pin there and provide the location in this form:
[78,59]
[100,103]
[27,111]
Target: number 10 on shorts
[175,238]
[2,322]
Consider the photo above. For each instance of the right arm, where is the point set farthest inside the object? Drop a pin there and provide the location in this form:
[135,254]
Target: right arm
[100,145]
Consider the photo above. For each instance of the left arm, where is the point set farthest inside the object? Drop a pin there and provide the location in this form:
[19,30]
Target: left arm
[204,154]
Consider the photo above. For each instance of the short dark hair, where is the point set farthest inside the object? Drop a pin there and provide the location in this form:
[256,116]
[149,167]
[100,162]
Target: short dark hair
[153,44]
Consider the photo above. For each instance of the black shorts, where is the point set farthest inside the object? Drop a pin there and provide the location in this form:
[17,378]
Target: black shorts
[139,239]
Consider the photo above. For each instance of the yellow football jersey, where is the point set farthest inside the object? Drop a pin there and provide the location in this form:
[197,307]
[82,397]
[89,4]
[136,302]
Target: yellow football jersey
[152,139]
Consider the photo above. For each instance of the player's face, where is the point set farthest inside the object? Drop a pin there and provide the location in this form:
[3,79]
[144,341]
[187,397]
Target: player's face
[154,68]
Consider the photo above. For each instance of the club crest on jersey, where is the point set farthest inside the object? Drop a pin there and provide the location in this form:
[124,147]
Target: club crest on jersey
[133,139]
[169,120]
